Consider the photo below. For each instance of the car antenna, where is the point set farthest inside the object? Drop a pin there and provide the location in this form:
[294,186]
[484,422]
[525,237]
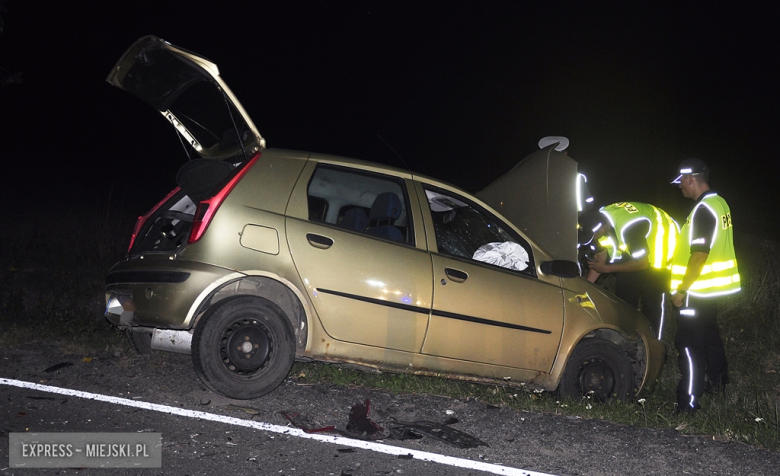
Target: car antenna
[396,153]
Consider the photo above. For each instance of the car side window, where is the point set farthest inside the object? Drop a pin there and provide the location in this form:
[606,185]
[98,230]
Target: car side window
[359,201]
[465,230]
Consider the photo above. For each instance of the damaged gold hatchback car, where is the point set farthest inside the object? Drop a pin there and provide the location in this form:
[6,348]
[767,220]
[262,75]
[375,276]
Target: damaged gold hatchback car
[260,257]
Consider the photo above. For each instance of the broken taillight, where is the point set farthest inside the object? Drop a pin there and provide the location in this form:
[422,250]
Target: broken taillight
[142,219]
[208,208]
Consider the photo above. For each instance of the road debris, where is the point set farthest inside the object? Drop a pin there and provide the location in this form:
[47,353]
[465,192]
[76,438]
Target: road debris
[441,432]
[59,366]
[360,426]
[250,410]
[307,423]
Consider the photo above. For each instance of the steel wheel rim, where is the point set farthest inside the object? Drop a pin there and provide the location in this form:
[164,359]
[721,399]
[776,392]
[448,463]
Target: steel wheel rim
[597,378]
[245,346]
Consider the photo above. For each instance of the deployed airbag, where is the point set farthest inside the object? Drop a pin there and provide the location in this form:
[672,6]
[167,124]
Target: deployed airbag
[507,255]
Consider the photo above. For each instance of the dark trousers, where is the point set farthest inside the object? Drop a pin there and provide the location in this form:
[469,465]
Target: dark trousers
[648,286]
[700,349]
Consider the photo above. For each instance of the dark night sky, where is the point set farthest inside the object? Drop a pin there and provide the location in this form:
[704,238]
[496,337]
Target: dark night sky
[462,90]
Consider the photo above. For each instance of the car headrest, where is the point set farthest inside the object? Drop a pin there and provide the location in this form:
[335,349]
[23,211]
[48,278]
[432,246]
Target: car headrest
[386,205]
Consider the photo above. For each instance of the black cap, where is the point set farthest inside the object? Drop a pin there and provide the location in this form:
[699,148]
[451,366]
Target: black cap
[589,221]
[691,165]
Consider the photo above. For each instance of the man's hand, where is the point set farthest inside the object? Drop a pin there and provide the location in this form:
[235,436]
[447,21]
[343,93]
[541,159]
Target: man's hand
[598,265]
[677,299]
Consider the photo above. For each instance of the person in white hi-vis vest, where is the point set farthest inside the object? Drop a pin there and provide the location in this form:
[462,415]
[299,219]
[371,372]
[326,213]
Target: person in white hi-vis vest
[704,268]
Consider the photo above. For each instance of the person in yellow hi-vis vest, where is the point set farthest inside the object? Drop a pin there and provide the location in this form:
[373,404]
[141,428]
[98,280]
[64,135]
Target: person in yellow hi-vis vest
[704,268]
[636,241]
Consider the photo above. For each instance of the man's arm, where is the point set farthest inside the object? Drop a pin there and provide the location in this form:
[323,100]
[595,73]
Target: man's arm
[692,273]
[637,244]
[601,267]
[703,226]
[599,257]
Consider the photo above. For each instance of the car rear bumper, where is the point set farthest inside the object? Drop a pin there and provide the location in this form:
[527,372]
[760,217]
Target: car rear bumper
[154,293]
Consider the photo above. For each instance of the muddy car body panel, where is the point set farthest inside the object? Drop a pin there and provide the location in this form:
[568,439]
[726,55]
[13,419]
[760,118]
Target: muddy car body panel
[261,256]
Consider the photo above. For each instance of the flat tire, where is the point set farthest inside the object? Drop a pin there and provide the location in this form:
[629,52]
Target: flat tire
[599,369]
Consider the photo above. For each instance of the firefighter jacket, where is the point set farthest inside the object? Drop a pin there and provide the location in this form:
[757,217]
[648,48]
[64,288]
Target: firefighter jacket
[719,275]
[661,237]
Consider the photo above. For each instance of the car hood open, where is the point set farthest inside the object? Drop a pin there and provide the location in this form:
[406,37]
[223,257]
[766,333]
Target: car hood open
[187,90]
[539,196]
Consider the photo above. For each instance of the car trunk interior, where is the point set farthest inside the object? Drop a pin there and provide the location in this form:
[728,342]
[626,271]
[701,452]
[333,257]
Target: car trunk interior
[168,227]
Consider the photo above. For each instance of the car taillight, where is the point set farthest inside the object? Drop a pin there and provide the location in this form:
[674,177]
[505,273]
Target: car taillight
[208,208]
[142,219]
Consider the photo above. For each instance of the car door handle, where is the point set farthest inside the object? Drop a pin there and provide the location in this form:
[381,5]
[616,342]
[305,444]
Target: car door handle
[456,275]
[319,241]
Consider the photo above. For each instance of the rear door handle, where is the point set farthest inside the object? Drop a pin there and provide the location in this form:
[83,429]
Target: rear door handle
[456,275]
[319,241]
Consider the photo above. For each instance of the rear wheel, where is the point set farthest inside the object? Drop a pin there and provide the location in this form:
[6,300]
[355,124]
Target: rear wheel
[244,347]
[141,342]
[598,368]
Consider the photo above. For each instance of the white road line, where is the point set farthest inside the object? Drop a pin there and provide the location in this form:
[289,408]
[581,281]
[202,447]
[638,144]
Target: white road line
[366,445]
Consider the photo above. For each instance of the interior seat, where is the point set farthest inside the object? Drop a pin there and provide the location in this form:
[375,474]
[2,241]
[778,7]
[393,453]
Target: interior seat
[384,211]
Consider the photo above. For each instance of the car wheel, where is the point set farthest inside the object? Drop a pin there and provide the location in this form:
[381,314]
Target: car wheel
[243,347]
[598,368]
[141,342]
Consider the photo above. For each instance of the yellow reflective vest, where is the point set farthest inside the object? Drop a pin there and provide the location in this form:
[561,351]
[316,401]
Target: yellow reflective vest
[720,274]
[661,238]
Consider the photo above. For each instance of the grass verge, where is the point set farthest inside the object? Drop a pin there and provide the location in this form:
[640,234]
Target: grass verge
[52,270]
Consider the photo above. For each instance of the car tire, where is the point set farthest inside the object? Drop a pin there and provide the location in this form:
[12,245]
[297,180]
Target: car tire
[599,369]
[243,347]
[141,342]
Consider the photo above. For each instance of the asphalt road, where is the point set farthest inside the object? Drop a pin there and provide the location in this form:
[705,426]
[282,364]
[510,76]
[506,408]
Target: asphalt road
[203,434]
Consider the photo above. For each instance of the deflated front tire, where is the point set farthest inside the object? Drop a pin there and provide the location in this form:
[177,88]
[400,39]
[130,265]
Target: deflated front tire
[598,368]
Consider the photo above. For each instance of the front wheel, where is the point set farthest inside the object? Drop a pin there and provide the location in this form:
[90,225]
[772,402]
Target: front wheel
[244,347]
[598,368]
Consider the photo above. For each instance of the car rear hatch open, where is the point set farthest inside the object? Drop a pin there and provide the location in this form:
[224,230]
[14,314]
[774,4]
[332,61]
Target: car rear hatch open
[187,90]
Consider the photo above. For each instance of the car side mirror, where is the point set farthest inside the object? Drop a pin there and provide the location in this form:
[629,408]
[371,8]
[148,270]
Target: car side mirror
[561,268]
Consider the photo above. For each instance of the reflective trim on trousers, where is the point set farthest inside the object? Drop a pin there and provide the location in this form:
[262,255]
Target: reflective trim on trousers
[692,403]
[663,312]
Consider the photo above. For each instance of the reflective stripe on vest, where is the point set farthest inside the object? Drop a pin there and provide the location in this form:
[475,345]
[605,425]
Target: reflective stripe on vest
[720,274]
[661,237]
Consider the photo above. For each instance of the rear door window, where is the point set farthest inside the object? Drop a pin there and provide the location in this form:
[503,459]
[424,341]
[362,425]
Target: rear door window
[363,202]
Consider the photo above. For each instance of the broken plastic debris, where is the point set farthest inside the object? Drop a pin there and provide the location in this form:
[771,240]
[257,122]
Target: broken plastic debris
[249,410]
[444,433]
[56,367]
[306,423]
[362,427]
